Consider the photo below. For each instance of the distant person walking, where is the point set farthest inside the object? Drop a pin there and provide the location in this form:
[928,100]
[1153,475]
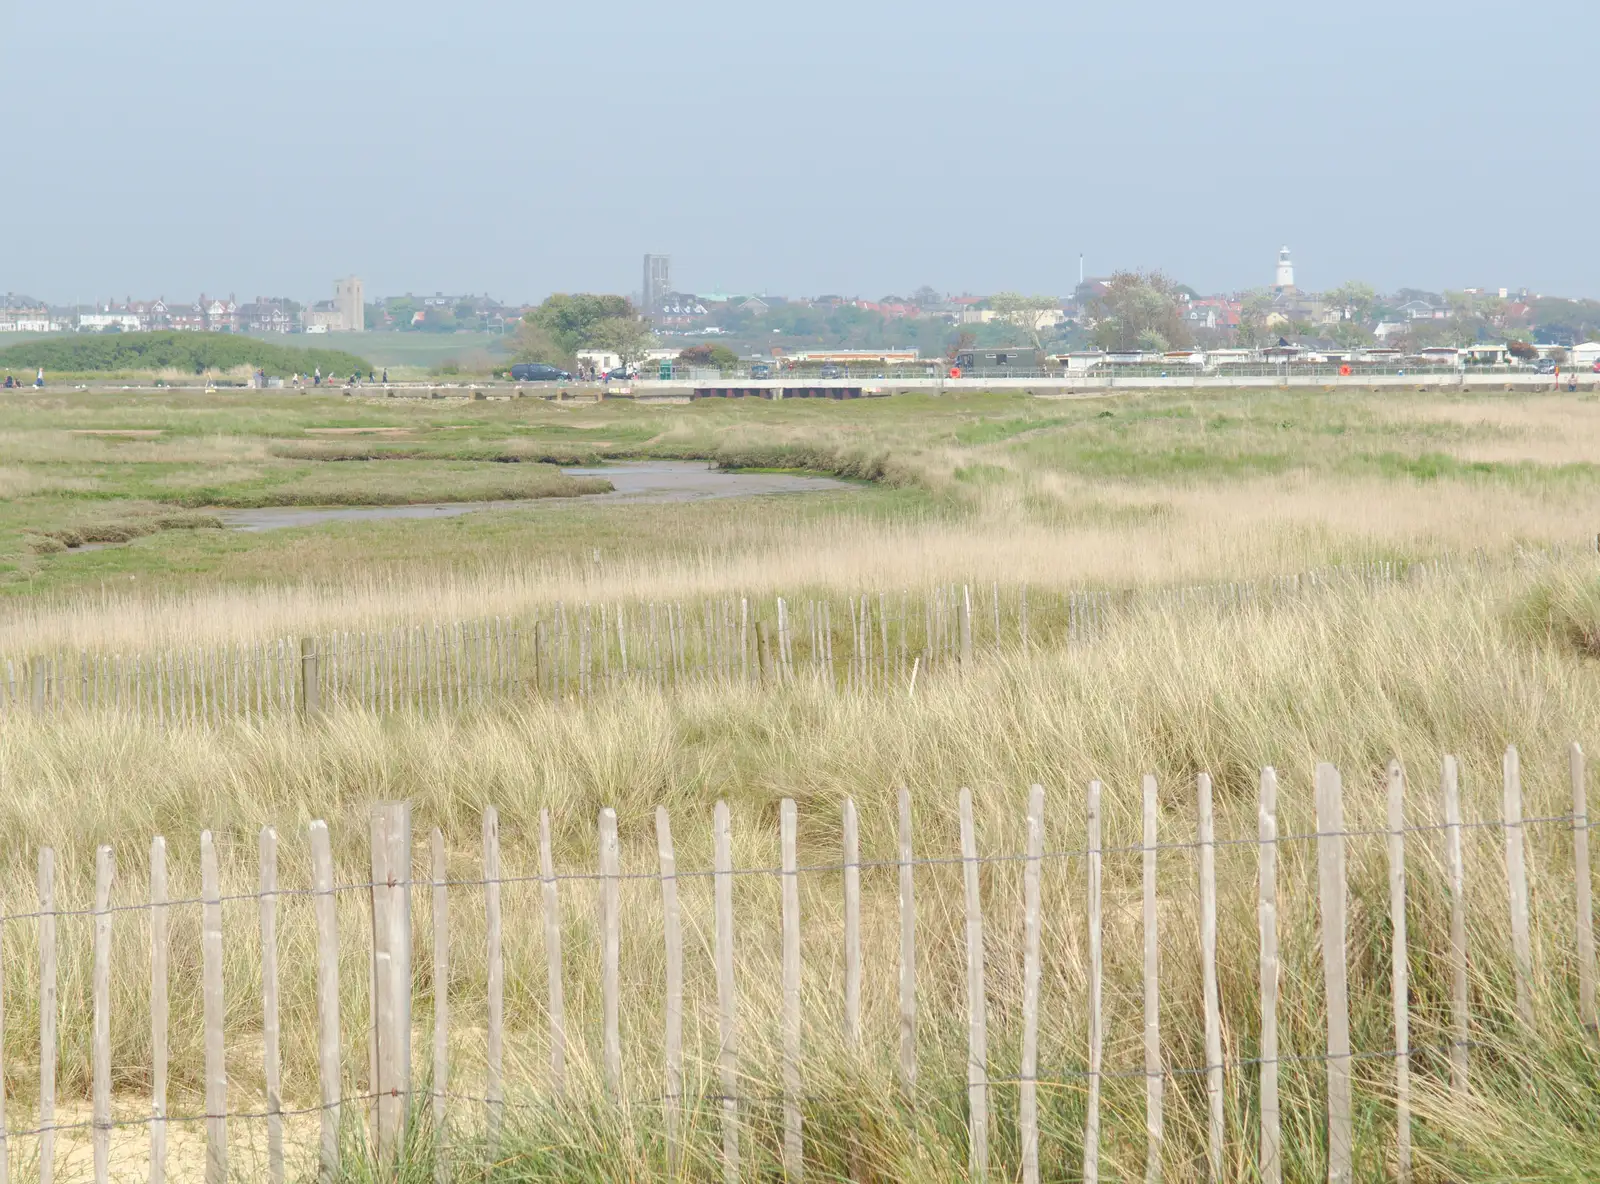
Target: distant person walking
[386,376]
[317,377]
[39,381]
[10,382]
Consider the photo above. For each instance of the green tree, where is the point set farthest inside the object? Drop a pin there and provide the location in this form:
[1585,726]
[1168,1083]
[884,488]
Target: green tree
[1137,310]
[626,336]
[1358,297]
[533,343]
[1025,312]
[709,354]
[1254,312]
[571,320]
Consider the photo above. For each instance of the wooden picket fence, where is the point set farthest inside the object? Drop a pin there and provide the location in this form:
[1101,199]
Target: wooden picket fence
[870,642]
[396,1095]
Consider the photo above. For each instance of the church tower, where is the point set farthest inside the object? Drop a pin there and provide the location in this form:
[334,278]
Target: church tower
[1285,280]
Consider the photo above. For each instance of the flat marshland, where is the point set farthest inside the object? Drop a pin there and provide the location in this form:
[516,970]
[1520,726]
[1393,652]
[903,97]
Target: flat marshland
[1139,491]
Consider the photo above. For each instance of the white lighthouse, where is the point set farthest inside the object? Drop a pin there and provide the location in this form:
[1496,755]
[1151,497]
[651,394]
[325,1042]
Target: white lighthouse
[1285,280]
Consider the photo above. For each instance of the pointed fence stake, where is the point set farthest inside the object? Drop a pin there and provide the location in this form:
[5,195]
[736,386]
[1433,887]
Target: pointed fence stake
[1154,1076]
[908,952]
[852,926]
[977,1011]
[1091,1134]
[47,1014]
[215,1014]
[1271,1151]
[328,1045]
[727,1000]
[672,923]
[610,952]
[1032,923]
[1208,971]
[1517,885]
[494,1095]
[793,1143]
[552,950]
[1398,970]
[267,916]
[159,951]
[1585,899]
[104,870]
[441,997]
[1331,890]
[1455,871]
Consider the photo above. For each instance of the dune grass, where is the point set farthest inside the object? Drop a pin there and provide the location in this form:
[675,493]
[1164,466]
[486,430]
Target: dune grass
[1415,672]
[1136,491]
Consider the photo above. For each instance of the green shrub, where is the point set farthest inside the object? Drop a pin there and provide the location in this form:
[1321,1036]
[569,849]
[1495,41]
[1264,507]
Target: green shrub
[193,352]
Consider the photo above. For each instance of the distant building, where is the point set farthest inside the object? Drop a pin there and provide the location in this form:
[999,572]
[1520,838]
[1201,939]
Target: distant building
[22,314]
[1284,282]
[345,313]
[349,295]
[99,322]
[680,310]
[657,283]
[267,316]
[220,316]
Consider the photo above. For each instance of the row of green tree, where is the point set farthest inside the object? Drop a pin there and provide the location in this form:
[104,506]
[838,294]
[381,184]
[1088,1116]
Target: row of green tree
[193,353]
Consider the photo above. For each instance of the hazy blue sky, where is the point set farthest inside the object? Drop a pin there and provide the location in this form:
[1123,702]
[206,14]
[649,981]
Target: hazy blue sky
[864,147]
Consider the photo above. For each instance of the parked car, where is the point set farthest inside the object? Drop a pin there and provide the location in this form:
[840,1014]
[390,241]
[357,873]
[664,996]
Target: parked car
[620,374]
[761,370]
[538,372]
[832,371]
[1545,366]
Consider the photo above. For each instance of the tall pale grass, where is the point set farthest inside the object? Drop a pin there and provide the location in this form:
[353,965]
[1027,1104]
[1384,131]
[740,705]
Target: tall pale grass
[1052,533]
[1415,672]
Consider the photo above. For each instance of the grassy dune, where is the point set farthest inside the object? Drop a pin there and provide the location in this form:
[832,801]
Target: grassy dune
[1415,672]
[1137,491]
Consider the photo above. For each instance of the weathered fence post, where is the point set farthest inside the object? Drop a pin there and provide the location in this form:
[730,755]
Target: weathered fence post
[1091,1131]
[328,1046]
[1208,971]
[1517,885]
[1584,897]
[1270,1159]
[1153,1073]
[977,1008]
[1032,924]
[557,1007]
[672,925]
[610,952]
[1331,889]
[267,915]
[494,1098]
[215,1014]
[310,683]
[727,1000]
[908,952]
[158,1010]
[391,951]
[965,610]
[47,1014]
[101,1050]
[1399,970]
[793,1145]
[441,997]
[852,926]
[1455,871]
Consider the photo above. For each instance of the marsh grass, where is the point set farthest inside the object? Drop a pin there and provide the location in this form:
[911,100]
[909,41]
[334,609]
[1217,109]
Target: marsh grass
[1416,671]
[1134,491]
